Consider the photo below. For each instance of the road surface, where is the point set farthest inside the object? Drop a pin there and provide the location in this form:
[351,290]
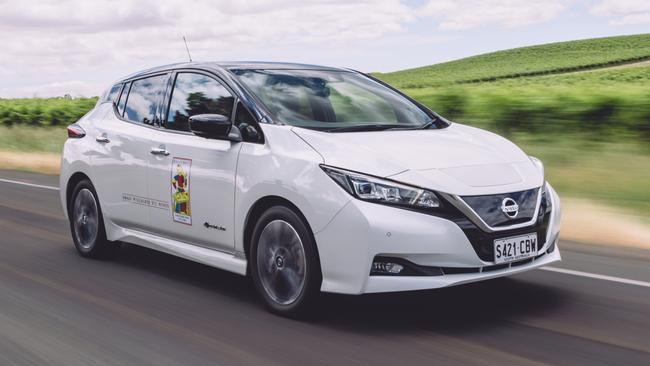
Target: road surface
[148,308]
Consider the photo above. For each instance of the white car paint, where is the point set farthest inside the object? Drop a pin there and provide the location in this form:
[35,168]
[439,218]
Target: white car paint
[212,179]
[461,160]
[228,178]
[119,166]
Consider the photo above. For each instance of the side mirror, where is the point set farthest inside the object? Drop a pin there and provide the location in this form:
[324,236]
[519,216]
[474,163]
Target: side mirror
[214,126]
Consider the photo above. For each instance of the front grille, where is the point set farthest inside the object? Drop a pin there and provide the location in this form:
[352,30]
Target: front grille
[483,242]
[488,207]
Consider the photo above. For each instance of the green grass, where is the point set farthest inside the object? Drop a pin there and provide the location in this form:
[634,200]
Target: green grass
[43,112]
[32,139]
[631,76]
[608,104]
[534,60]
[614,173]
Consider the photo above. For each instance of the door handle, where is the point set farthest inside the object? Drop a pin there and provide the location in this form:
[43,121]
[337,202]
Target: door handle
[102,139]
[159,151]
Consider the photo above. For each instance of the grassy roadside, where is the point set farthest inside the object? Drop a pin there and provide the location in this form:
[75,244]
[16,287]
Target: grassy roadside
[604,190]
[36,149]
[611,173]
[32,139]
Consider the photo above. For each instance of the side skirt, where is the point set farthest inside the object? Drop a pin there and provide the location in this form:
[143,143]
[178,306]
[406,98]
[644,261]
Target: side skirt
[213,258]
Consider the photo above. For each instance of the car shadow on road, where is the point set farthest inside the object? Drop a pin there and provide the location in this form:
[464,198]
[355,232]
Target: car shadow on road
[452,310]
[184,271]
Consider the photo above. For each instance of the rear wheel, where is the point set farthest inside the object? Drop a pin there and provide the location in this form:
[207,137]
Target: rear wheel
[87,223]
[284,262]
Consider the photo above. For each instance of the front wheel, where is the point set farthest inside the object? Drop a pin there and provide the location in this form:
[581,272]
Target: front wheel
[284,262]
[87,223]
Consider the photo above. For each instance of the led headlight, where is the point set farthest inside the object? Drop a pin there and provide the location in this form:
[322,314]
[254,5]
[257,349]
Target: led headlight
[378,190]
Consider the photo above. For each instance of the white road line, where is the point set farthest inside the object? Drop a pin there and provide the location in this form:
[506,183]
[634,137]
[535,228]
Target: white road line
[29,184]
[551,269]
[597,276]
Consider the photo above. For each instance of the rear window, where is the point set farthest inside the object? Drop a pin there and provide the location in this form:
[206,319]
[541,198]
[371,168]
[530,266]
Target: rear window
[122,101]
[113,94]
[144,98]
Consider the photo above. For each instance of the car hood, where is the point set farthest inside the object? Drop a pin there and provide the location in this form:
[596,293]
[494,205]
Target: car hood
[458,159]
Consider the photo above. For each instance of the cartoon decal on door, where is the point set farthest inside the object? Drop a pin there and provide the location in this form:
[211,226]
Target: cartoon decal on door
[180,189]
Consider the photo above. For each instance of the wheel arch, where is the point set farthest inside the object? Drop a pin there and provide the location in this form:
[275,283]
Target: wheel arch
[257,209]
[72,182]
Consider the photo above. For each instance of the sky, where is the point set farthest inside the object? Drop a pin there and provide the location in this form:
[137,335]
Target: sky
[76,47]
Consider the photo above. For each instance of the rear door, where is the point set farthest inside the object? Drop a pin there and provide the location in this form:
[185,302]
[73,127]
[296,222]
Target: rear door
[194,174]
[121,159]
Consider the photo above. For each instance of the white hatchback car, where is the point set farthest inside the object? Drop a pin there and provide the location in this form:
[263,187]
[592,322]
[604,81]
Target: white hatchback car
[308,178]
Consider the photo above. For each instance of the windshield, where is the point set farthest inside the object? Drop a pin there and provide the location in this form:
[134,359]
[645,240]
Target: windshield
[331,100]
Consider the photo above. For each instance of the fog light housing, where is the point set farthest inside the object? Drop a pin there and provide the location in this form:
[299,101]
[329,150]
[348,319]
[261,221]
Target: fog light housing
[386,268]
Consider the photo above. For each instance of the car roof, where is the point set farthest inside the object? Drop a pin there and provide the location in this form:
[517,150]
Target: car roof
[232,65]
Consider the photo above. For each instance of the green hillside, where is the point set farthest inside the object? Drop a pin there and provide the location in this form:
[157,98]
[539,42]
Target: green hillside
[527,61]
[601,104]
[581,106]
[633,75]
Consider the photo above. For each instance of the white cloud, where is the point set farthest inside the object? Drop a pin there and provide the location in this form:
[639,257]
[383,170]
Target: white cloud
[78,47]
[67,38]
[75,88]
[623,12]
[225,23]
[466,14]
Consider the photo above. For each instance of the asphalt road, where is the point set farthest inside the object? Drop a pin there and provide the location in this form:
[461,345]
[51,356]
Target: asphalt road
[148,308]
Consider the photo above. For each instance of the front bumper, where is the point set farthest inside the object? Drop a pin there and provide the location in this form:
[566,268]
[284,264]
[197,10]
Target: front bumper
[411,283]
[362,231]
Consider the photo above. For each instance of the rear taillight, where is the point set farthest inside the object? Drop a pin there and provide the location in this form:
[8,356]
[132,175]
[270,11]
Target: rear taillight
[75,131]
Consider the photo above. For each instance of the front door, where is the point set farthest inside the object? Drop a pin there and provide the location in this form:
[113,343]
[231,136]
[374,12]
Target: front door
[195,175]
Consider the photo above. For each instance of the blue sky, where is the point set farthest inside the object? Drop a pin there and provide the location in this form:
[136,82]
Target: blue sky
[78,47]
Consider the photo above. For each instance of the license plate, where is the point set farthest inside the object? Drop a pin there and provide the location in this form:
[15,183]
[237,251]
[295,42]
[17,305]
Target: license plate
[515,248]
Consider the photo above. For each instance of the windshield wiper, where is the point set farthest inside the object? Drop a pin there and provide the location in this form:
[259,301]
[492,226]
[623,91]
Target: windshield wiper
[358,128]
[379,127]
[423,127]
[428,124]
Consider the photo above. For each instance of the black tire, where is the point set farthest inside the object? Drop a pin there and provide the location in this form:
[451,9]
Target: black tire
[271,287]
[87,223]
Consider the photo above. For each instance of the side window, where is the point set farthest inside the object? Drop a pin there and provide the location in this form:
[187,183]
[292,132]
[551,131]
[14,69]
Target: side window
[113,93]
[249,128]
[143,99]
[122,101]
[196,94]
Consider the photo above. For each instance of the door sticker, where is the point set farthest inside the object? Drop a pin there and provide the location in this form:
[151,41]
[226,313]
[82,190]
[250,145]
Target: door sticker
[180,189]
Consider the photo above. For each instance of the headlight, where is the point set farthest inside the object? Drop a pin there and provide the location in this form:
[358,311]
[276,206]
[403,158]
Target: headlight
[378,190]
